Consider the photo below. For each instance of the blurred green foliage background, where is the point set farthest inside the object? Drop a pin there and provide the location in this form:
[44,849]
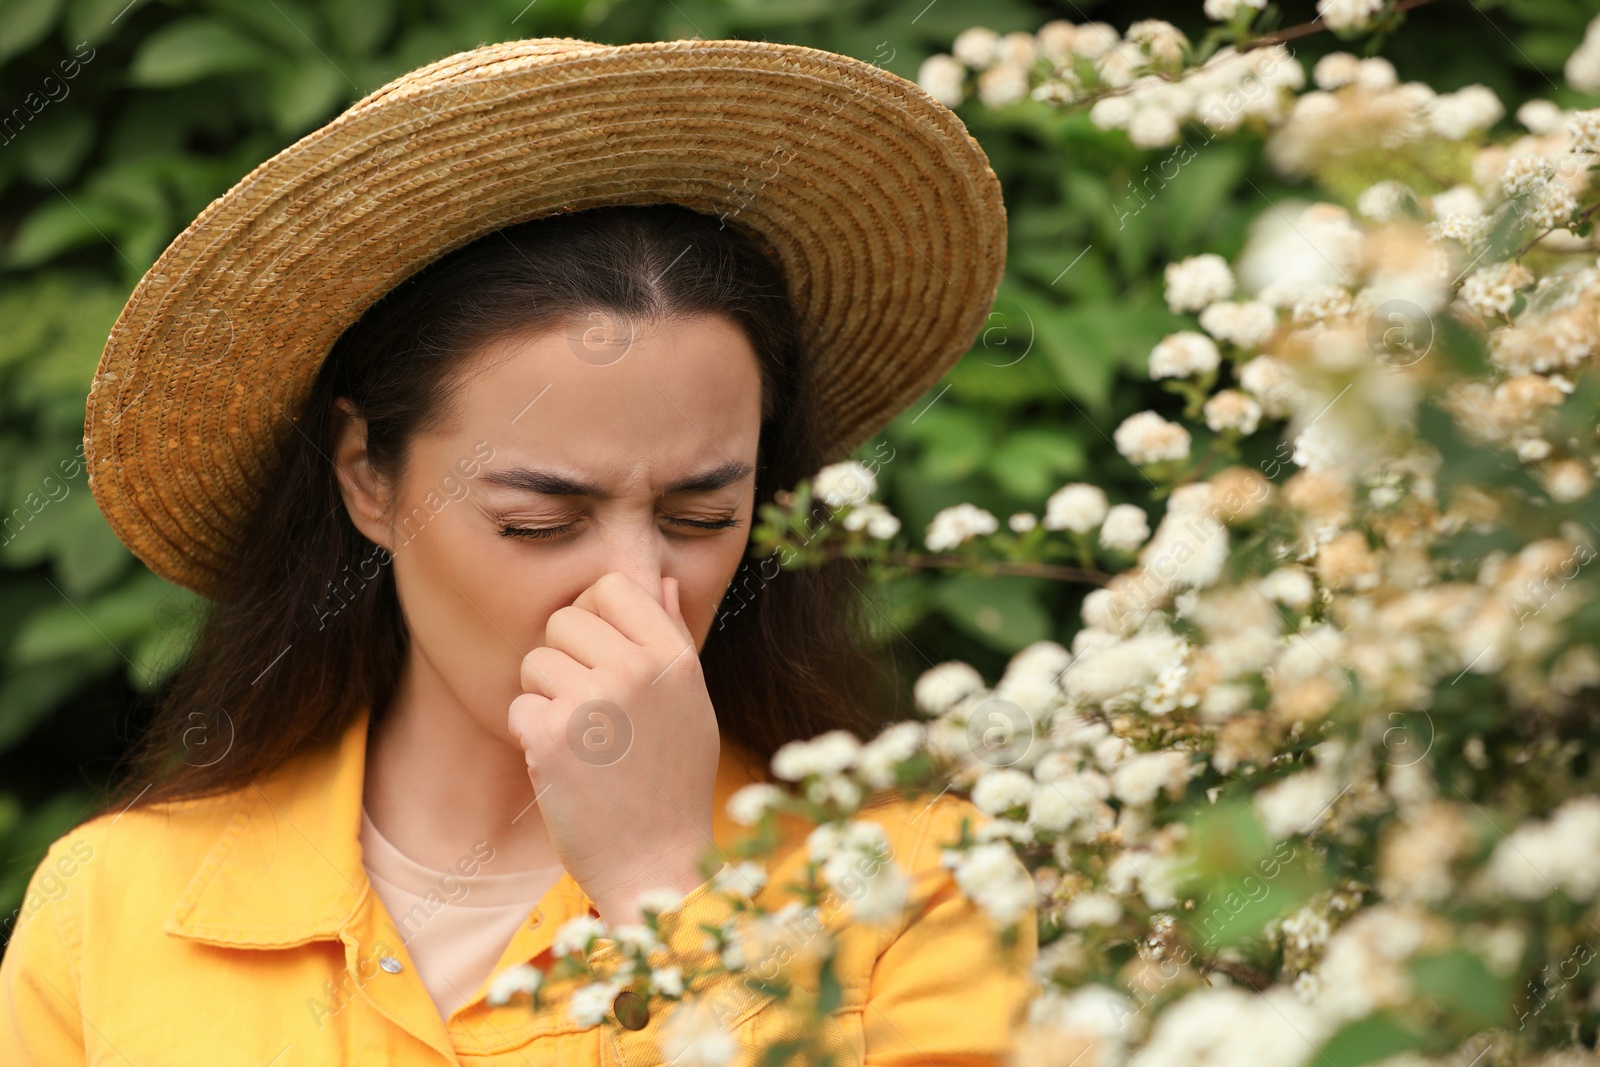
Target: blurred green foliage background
[119,122]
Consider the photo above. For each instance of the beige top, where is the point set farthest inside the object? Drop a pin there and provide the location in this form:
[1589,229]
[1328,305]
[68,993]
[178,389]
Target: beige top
[454,923]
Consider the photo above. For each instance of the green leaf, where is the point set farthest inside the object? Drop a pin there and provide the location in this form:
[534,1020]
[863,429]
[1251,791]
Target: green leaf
[830,993]
[1241,878]
[1027,380]
[1033,462]
[94,20]
[1548,50]
[956,440]
[30,693]
[780,1053]
[88,555]
[58,226]
[57,144]
[1003,612]
[304,94]
[75,627]
[1080,347]
[192,49]
[23,24]
[358,25]
[1197,194]
[1368,1040]
[1459,980]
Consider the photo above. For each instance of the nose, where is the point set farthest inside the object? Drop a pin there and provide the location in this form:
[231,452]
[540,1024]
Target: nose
[638,555]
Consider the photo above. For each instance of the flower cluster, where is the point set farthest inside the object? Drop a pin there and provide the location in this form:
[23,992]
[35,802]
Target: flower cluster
[1317,762]
[1312,780]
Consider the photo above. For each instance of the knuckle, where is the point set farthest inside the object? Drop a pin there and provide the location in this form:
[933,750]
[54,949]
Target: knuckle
[559,625]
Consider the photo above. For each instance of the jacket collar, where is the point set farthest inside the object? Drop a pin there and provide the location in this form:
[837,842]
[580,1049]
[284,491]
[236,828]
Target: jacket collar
[287,870]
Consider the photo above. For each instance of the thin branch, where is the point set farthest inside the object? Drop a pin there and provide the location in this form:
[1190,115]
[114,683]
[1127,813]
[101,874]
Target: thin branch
[1316,25]
[989,568]
[1582,218]
[983,567]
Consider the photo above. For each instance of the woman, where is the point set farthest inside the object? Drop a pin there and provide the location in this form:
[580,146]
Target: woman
[459,410]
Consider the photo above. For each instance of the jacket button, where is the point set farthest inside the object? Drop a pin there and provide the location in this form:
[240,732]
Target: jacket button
[632,1011]
[390,964]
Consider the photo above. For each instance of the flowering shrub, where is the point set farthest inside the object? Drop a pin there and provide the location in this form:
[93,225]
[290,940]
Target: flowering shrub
[1312,781]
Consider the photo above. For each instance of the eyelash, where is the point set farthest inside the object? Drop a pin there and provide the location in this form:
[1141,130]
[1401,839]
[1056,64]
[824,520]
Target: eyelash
[544,533]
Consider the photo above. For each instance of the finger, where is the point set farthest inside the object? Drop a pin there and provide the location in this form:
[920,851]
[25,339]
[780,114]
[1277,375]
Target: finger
[671,590]
[632,610]
[586,637]
[525,714]
[551,672]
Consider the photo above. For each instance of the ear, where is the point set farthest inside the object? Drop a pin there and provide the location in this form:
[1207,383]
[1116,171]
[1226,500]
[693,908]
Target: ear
[365,494]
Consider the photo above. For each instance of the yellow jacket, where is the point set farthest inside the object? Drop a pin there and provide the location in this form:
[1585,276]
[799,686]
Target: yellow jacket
[242,929]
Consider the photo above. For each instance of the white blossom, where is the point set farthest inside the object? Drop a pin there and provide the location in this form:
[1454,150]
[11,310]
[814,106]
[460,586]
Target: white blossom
[1078,507]
[992,877]
[1294,805]
[955,525]
[1492,290]
[575,934]
[520,978]
[1059,804]
[1139,779]
[1095,39]
[746,876]
[1092,909]
[1246,324]
[1582,69]
[1384,201]
[1561,853]
[1228,1025]
[1147,438]
[1224,10]
[1541,116]
[844,483]
[1584,130]
[999,791]
[1465,111]
[692,1035]
[943,77]
[667,981]
[1456,200]
[750,802]
[1348,14]
[1230,409]
[825,754]
[1289,586]
[977,47]
[873,517]
[590,1002]
[1196,281]
[1125,528]
[879,757]
[884,895]
[1183,355]
[1335,70]
[1001,84]
[942,686]
[1273,384]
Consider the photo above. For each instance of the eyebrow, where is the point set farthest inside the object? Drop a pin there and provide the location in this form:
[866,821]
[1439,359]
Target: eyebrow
[550,483]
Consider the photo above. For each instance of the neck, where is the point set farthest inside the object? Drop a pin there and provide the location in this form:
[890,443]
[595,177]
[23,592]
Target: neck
[438,781]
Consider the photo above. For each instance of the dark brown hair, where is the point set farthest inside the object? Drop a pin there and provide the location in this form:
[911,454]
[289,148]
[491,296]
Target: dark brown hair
[306,626]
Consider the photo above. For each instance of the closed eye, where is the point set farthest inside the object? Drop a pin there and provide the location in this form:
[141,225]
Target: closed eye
[543,532]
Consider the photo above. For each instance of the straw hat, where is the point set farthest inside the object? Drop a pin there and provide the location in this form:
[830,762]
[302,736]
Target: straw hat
[880,206]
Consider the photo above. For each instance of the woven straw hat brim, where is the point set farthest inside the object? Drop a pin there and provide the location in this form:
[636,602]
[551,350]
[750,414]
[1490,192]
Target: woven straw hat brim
[882,208]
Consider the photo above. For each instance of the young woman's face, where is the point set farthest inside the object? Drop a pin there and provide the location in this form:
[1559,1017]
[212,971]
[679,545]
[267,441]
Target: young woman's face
[574,452]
